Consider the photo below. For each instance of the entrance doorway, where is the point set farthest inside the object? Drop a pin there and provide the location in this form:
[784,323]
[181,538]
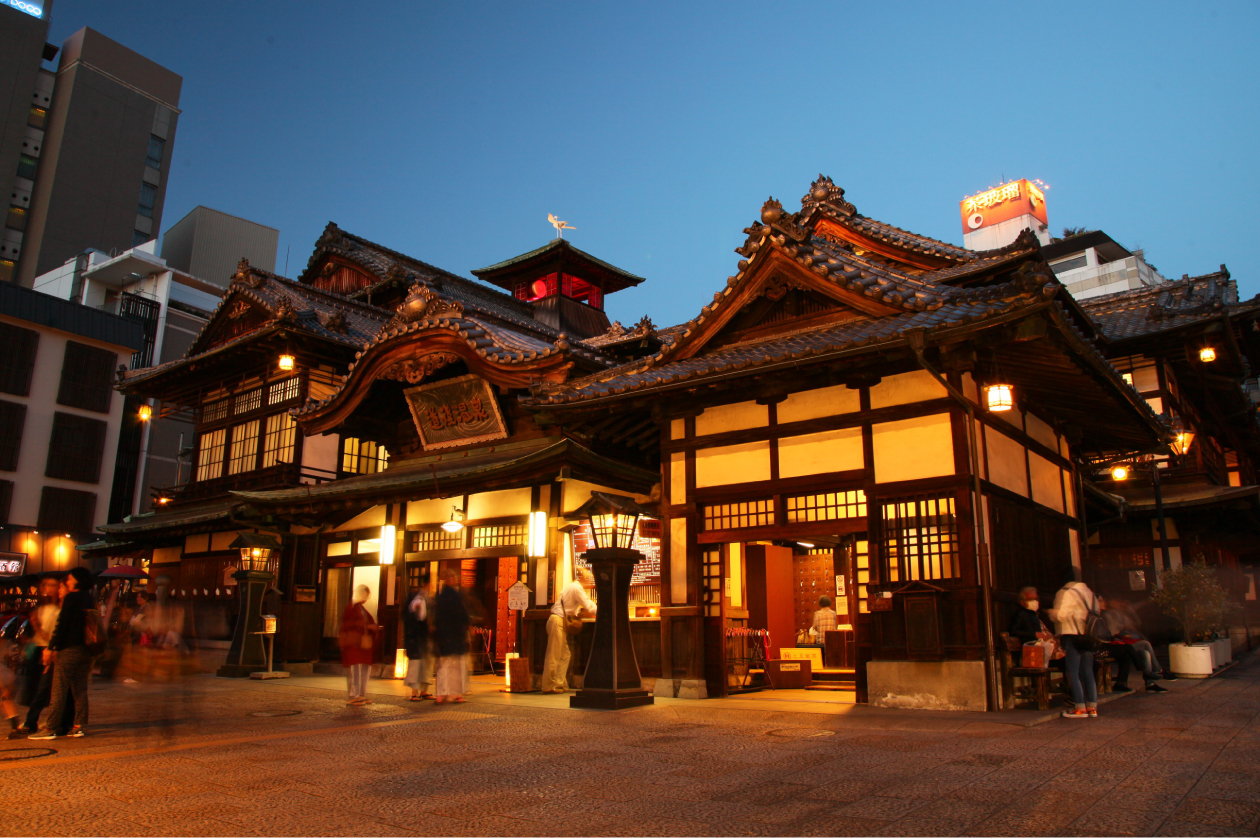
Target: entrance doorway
[759,602]
[484,583]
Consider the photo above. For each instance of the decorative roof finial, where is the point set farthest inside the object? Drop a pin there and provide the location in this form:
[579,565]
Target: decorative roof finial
[824,191]
[560,226]
[771,211]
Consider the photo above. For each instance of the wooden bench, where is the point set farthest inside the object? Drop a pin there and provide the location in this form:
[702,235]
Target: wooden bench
[1041,678]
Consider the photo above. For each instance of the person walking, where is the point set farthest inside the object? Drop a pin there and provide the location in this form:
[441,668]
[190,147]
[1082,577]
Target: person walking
[572,602]
[450,634]
[357,639]
[69,655]
[37,686]
[1073,605]
[416,642]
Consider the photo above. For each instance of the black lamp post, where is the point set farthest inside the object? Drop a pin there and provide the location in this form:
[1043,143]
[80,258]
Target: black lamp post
[259,554]
[612,674]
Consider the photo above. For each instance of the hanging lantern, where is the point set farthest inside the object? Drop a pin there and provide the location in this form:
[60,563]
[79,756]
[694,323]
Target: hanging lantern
[456,523]
[389,536]
[999,397]
[1120,472]
[537,534]
[1207,354]
[287,362]
[145,413]
[1182,437]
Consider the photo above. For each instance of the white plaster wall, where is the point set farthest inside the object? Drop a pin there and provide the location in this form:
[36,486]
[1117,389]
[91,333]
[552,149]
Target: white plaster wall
[912,449]
[321,452]
[1041,432]
[1006,462]
[729,464]
[677,477]
[907,388]
[839,450]
[813,404]
[1047,484]
[732,417]
[432,511]
[678,560]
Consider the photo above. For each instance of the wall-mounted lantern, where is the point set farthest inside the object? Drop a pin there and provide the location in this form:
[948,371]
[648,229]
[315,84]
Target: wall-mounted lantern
[1207,354]
[287,362]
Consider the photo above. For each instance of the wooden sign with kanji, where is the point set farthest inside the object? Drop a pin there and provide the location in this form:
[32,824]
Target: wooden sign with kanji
[459,411]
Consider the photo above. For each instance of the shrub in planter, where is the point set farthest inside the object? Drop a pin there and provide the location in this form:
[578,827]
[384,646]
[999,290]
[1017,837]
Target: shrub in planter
[1193,597]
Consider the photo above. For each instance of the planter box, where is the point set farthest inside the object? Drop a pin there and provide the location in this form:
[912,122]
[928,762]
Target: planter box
[1221,652]
[1190,661]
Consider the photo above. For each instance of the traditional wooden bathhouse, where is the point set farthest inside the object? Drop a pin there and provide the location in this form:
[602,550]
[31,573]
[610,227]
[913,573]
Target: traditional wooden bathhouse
[905,426]
[1190,347]
[870,414]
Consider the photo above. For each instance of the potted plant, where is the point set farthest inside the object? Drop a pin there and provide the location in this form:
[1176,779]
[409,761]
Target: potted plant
[1193,597]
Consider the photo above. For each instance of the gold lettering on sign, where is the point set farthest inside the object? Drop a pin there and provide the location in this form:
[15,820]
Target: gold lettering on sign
[993,197]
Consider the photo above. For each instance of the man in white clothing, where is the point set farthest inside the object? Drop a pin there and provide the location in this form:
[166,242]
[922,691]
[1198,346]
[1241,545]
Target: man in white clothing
[574,601]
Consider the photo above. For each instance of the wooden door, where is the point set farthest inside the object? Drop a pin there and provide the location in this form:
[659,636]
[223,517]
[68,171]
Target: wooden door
[505,621]
[713,608]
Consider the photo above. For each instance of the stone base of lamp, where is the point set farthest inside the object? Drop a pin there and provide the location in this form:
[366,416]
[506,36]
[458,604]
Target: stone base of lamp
[612,681]
[247,653]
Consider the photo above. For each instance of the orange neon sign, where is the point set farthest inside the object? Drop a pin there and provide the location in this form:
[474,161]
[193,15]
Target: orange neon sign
[1002,203]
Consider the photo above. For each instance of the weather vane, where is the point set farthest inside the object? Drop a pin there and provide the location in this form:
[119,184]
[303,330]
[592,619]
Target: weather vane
[560,226]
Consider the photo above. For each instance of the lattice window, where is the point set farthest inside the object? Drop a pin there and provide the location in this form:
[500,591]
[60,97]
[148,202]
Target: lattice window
[214,411]
[363,456]
[210,456]
[862,567]
[500,536]
[244,448]
[278,442]
[826,506]
[246,402]
[738,515]
[282,391]
[422,540]
[921,538]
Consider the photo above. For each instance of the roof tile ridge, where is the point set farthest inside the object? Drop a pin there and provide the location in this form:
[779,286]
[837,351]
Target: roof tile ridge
[858,217]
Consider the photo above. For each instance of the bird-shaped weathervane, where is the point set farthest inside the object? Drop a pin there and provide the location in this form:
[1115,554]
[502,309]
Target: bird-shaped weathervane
[560,226]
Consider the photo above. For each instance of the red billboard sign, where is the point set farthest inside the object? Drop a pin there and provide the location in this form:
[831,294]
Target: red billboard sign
[1002,203]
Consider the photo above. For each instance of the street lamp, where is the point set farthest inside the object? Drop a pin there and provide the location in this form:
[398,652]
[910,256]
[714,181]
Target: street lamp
[259,555]
[612,675]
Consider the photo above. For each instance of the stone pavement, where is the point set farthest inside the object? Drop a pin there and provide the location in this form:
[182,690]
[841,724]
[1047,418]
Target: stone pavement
[209,756]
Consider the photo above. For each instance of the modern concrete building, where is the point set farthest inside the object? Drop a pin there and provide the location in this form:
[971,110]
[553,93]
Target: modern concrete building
[99,173]
[1093,264]
[172,304]
[209,244]
[59,423]
[25,95]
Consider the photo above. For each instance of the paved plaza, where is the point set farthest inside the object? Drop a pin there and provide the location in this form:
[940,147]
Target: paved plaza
[210,756]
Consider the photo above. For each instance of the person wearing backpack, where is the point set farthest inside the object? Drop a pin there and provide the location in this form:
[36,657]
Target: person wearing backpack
[70,652]
[1077,623]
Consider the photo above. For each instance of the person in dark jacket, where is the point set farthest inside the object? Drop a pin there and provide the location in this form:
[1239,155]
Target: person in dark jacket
[39,675]
[69,654]
[416,643]
[1026,623]
[450,635]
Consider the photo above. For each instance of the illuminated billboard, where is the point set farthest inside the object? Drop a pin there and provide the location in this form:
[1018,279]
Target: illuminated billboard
[1002,203]
[32,9]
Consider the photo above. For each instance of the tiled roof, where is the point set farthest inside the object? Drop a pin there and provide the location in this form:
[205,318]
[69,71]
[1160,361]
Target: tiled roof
[1169,305]
[559,244]
[292,305]
[857,334]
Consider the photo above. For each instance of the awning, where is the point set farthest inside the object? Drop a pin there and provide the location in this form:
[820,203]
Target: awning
[175,521]
[498,467]
[1142,499]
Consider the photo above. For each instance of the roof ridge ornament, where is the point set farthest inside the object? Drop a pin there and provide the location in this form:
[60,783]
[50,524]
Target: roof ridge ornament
[423,303]
[824,191]
[560,226]
[247,275]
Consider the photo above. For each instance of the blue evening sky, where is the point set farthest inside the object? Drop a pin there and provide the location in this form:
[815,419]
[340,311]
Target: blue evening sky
[449,131]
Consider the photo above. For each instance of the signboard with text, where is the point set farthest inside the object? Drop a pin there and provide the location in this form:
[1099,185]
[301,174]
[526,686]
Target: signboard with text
[1002,203]
[459,411]
[12,564]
